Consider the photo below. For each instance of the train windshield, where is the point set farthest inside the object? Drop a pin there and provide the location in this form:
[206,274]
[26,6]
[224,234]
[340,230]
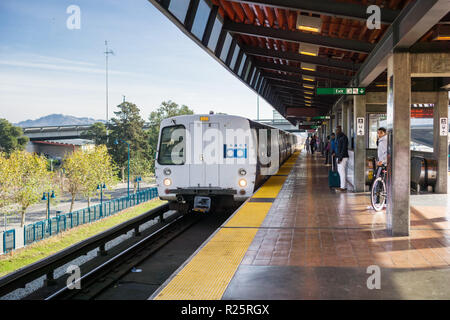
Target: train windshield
[173,143]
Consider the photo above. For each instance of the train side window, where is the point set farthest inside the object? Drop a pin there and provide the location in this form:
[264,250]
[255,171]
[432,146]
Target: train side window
[172,146]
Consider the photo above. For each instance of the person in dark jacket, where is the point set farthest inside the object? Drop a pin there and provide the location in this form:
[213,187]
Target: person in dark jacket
[327,150]
[333,151]
[342,157]
[313,144]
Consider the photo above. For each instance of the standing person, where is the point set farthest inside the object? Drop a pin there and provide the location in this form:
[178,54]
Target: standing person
[312,143]
[333,151]
[342,157]
[327,150]
[307,145]
[381,149]
[317,143]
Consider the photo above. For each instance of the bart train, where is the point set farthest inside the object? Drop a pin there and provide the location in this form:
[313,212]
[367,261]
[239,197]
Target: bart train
[216,159]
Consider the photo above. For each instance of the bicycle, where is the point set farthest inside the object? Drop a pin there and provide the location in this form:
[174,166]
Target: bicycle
[378,193]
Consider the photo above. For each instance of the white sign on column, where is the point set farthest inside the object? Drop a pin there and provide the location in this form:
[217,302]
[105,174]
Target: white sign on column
[360,126]
[443,126]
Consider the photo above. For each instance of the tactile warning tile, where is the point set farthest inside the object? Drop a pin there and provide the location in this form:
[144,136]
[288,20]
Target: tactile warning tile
[251,214]
[271,187]
[285,170]
[207,275]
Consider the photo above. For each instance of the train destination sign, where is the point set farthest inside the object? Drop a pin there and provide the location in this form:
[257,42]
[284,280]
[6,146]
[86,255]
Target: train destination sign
[346,91]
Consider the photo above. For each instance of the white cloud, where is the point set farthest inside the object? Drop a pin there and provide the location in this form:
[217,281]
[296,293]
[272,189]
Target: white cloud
[59,67]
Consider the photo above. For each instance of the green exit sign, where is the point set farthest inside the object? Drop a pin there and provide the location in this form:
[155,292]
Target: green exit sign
[321,118]
[352,91]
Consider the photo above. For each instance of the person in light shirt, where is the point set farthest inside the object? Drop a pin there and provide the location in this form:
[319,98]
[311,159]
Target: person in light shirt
[382,149]
[342,157]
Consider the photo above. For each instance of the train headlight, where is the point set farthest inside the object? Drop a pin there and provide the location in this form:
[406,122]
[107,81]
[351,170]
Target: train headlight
[167,182]
[242,172]
[167,171]
[242,183]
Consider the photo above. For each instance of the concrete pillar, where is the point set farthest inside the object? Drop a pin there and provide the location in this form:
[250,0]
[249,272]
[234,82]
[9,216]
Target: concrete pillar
[333,119]
[319,134]
[399,137]
[349,105]
[344,117]
[350,124]
[441,142]
[359,111]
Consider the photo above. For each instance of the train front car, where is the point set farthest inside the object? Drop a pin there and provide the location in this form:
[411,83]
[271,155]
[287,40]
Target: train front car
[205,161]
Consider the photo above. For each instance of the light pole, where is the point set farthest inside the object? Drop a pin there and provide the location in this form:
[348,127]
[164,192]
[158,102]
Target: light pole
[47,196]
[137,180]
[128,183]
[107,52]
[101,187]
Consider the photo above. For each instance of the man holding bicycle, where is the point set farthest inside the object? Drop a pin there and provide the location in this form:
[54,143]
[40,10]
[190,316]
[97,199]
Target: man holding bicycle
[382,149]
[378,191]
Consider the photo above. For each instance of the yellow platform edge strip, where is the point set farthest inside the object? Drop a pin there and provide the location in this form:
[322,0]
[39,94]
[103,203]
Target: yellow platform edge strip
[207,275]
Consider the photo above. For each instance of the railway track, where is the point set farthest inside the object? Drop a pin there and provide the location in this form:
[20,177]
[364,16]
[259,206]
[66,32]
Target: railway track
[101,273]
[109,272]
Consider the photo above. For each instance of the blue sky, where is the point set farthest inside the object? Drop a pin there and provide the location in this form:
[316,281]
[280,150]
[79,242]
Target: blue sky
[47,68]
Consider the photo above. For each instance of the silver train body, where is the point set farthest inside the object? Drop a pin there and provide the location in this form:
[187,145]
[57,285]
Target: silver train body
[216,159]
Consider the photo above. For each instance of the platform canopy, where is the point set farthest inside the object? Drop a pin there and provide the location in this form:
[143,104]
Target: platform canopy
[285,49]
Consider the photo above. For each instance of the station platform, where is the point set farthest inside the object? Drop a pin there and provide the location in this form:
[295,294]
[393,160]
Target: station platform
[298,239]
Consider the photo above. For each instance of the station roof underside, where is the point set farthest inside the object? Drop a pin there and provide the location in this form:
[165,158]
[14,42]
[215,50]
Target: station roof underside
[285,49]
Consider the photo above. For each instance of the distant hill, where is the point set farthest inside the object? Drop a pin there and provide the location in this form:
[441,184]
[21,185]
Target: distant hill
[57,120]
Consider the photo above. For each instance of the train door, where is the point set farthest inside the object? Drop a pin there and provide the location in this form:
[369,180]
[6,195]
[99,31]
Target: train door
[204,166]
[211,154]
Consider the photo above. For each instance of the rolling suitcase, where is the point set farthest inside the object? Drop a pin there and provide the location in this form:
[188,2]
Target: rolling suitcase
[334,181]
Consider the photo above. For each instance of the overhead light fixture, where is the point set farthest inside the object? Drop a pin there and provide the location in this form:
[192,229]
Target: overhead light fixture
[308,86]
[308,66]
[309,92]
[307,97]
[308,49]
[308,78]
[442,32]
[381,85]
[307,23]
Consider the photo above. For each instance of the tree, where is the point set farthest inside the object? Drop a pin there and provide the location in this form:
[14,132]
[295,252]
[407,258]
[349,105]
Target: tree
[5,184]
[11,137]
[127,126]
[100,170]
[139,167]
[76,171]
[85,170]
[97,133]
[27,179]
[166,110]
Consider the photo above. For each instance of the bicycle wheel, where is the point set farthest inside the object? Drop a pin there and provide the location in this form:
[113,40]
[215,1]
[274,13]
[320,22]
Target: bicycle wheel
[378,194]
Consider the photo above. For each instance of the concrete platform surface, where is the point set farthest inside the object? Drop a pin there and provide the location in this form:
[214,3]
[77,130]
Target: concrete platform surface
[316,243]
[312,242]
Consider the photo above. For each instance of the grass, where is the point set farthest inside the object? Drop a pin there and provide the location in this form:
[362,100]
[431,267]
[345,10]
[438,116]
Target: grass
[44,248]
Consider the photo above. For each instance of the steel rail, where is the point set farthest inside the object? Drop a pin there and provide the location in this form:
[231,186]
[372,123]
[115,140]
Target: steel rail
[46,266]
[103,269]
